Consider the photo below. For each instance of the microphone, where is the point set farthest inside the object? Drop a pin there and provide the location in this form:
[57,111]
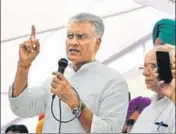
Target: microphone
[62,63]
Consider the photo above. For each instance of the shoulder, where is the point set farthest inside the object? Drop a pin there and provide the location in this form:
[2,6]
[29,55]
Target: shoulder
[113,79]
[110,73]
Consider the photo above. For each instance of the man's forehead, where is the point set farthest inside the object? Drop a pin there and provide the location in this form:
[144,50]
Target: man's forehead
[150,57]
[82,27]
[152,52]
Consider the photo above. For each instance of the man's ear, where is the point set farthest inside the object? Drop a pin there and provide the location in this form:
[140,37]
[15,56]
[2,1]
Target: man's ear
[98,42]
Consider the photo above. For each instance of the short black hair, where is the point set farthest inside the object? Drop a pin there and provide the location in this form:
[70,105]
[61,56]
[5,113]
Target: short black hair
[17,128]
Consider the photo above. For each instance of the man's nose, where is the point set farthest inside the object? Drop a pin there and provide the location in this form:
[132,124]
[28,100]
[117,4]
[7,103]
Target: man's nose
[74,41]
[145,72]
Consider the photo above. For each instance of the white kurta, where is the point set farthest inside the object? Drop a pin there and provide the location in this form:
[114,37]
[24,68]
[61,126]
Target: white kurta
[102,89]
[162,110]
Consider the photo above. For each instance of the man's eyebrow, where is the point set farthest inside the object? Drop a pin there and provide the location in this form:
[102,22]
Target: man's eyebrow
[81,33]
[154,64]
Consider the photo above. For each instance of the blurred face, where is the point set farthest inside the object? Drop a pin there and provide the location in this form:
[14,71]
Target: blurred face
[81,44]
[149,67]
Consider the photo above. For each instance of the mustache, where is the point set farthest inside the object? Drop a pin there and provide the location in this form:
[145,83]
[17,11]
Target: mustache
[73,49]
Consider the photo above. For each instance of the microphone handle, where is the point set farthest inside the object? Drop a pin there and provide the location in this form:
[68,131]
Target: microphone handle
[61,70]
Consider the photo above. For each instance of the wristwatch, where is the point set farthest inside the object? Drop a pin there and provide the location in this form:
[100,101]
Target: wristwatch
[78,110]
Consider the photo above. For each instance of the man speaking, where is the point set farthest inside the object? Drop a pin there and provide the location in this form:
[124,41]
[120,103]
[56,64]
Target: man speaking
[95,96]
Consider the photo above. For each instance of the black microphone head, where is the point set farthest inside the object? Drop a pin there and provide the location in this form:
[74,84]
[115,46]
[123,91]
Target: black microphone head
[63,63]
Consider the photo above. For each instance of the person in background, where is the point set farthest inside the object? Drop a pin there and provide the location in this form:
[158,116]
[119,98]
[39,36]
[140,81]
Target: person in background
[169,90]
[40,123]
[16,129]
[135,108]
[164,32]
[159,116]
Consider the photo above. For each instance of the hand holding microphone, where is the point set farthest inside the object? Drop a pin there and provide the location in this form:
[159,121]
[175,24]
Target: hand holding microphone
[29,50]
[62,88]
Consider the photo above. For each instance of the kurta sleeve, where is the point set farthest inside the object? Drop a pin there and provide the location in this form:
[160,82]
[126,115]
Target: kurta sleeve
[31,102]
[113,109]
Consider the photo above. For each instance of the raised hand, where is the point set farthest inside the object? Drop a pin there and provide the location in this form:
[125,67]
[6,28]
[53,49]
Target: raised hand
[168,90]
[29,49]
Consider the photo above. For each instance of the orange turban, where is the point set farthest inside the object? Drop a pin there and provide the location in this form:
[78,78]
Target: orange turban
[40,123]
[41,116]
